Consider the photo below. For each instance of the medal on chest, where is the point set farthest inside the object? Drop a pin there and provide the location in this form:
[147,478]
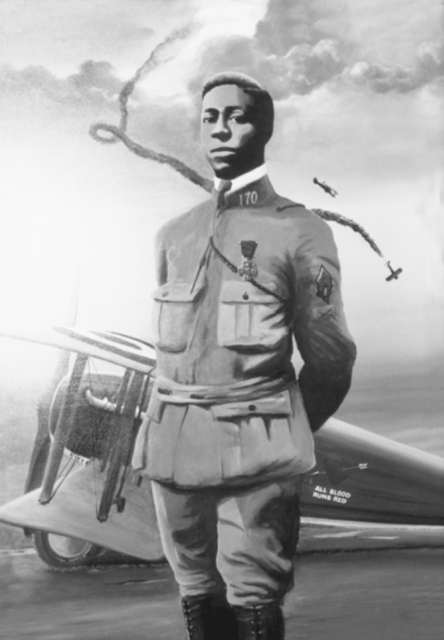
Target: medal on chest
[248,268]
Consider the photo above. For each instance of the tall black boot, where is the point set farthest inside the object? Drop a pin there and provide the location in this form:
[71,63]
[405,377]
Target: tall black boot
[209,618]
[260,622]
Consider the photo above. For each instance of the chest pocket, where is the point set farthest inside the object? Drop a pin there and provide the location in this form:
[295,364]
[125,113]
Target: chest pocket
[173,316]
[249,317]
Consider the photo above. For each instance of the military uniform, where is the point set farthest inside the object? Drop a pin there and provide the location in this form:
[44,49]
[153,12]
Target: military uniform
[227,434]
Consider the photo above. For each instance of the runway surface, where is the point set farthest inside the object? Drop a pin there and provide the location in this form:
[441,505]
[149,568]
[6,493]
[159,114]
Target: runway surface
[391,594]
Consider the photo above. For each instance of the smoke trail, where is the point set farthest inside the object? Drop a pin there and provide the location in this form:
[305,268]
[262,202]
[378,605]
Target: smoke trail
[348,222]
[162,158]
[161,54]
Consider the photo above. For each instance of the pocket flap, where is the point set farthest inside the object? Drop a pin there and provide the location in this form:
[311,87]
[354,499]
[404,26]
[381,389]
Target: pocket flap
[241,291]
[276,405]
[176,292]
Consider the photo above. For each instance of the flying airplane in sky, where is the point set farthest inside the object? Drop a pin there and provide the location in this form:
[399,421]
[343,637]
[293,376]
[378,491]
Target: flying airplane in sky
[331,192]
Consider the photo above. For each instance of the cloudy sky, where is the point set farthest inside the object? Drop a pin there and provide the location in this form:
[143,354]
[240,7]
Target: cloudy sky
[358,87]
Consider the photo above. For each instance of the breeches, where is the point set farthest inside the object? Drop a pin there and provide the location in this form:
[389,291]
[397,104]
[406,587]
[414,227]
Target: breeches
[241,541]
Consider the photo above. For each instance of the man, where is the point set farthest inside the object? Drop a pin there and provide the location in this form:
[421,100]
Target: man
[228,432]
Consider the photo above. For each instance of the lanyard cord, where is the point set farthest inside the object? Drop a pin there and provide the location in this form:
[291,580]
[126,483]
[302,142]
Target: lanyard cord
[235,269]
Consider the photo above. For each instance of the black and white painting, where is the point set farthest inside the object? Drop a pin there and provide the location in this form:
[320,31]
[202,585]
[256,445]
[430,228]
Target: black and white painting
[100,104]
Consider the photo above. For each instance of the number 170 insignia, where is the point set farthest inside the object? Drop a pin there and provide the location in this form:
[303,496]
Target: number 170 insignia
[248,198]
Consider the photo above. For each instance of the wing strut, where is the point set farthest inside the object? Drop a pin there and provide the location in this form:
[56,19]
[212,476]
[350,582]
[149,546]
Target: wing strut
[63,427]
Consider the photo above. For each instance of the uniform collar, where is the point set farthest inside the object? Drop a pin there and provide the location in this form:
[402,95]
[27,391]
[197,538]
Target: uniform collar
[243,180]
[252,195]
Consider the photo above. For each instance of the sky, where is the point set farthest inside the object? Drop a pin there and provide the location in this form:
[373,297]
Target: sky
[358,89]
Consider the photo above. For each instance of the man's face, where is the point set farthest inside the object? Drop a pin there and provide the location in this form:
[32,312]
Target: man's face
[230,139]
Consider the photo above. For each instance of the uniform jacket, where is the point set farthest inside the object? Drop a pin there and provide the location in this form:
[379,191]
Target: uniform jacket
[213,327]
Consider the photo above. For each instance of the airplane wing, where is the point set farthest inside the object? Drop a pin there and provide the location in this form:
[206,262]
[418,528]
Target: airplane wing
[361,480]
[112,347]
[396,501]
[73,512]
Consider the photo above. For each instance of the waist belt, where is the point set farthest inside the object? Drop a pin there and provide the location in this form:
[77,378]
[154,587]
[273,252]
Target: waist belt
[251,389]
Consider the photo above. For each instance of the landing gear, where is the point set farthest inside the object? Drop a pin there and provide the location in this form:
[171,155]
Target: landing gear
[63,552]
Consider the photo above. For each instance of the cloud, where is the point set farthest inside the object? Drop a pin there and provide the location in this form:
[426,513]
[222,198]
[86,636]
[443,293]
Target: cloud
[303,51]
[390,33]
[37,91]
[35,100]
[289,23]
[345,131]
[300,45]
[303,68]
[95,75]
[428,66]
[297,46]
[306,67]
[57,35]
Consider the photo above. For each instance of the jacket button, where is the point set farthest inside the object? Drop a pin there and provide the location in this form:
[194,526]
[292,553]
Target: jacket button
[164,294]
[246,296]
[252,407]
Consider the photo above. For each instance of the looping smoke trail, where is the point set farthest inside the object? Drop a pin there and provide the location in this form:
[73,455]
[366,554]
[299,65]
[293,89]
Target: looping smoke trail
[115,134]
[159,55]
[348,222]
[162,158]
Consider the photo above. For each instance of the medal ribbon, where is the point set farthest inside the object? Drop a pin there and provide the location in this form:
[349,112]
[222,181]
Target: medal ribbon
[235,269]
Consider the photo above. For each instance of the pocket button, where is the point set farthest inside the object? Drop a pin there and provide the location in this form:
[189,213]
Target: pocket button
[252,407]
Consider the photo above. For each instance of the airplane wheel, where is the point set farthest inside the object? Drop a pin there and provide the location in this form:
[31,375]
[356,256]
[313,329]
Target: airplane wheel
[64,552]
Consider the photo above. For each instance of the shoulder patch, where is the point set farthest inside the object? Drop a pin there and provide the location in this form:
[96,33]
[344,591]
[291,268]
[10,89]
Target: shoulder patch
[324,284]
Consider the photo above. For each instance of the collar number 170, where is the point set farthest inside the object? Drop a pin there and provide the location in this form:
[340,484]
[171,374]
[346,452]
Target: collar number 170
[247,198]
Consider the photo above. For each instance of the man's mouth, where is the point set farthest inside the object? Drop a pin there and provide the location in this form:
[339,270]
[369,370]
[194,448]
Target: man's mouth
[223,150]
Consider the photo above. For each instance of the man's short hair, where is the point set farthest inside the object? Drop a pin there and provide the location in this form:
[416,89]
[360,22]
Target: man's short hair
[263,101]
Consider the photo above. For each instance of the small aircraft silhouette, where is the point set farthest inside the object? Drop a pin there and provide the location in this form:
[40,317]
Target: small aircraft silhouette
[394,273]
[326,188]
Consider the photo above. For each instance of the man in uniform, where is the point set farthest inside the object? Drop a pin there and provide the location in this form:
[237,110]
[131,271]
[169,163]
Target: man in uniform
[228,432]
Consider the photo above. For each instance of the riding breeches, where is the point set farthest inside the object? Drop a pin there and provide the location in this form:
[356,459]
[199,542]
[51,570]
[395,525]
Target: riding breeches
[241,541]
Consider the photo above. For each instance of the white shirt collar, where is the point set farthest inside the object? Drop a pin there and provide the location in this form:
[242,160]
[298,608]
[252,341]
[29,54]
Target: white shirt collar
[244,179]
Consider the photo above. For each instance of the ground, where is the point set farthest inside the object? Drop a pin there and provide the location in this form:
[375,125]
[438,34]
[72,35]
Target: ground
[349,585]
[385,594]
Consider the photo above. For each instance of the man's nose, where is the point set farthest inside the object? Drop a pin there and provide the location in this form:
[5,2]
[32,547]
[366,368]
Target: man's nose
[220,129]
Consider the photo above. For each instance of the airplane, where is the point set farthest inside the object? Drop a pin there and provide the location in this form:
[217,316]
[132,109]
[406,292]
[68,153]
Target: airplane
[83,501]
[332,192]
[81,495]
[394,273]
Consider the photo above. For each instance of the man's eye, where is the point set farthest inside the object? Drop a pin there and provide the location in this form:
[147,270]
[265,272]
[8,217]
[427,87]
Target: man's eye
[208,119]
[240,118]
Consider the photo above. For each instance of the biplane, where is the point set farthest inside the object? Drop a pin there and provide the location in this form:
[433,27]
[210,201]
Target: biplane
[82,499]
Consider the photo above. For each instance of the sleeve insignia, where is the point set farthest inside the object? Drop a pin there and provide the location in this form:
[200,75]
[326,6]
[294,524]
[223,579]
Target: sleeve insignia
[324,284]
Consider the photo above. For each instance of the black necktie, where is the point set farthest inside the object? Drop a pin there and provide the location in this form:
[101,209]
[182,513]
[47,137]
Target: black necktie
[224,186]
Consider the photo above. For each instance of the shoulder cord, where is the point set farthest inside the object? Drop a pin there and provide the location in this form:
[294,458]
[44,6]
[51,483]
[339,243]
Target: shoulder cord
[235,269]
